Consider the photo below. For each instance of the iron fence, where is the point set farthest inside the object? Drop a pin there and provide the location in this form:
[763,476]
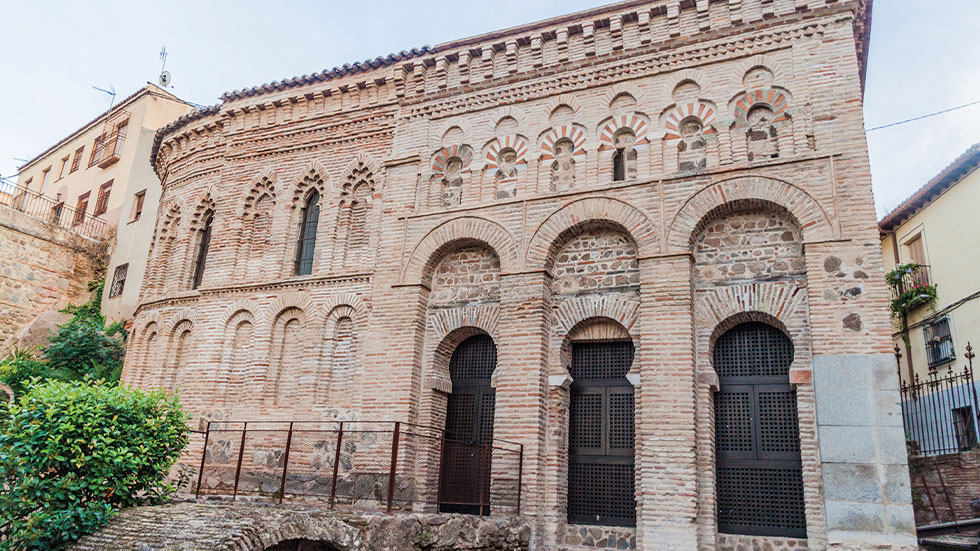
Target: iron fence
[361,465]
[52,212]
[940,413]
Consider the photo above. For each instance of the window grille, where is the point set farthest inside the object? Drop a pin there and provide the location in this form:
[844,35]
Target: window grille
[757,441]
[601,485]
[939,342]
[118,280]
[307,235]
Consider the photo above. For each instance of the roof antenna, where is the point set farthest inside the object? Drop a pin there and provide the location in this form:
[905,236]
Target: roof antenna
[164,74]
[111,92]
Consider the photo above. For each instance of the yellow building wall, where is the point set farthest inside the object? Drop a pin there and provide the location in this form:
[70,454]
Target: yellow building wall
[950,232]
[130,175]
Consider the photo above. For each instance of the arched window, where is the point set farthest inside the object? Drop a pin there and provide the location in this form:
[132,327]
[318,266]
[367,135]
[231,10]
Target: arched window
[469,427]
[307,235]
[624,160]
[204,241]
[757,440]
[601,480]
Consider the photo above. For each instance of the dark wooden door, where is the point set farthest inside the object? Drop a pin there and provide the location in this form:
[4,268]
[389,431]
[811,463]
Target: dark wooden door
[467,451]
[601,478]
[757,441]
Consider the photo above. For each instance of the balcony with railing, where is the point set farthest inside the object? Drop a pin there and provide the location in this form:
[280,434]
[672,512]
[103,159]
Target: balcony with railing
[911,288]
[51,211]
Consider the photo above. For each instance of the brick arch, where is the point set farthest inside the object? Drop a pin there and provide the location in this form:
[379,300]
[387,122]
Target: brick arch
[456,233]
[636,121]
[268,532]
[573,311]
[697,76]
[812,220]
[180,316]
[313,176]
[557,101]
[362,160]
[438,364]
[264,184]
[574,132]
[485,317]
[720,305]
[592,328]
[349,300]
[744,317]
[240,305]
[547,238]
[293,300]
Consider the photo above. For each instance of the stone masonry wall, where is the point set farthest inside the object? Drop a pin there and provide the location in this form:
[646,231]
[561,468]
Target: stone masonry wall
[589,177]
[42,268]
[257,527]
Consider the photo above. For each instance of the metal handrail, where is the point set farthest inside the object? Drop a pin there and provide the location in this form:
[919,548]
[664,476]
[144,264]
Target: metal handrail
[52,212]
[400,434]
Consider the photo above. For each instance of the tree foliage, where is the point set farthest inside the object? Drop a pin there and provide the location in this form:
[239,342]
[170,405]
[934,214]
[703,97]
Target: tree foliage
[82,347]
[71,453]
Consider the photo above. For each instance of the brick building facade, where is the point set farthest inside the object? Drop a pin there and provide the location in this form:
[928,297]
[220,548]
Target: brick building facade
[623,200]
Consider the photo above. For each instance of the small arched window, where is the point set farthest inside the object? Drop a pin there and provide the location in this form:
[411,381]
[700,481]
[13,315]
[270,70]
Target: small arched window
[624,160]
[204,241]
[307,235]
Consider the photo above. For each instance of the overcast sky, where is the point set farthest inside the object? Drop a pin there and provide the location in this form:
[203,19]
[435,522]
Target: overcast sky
[924,58]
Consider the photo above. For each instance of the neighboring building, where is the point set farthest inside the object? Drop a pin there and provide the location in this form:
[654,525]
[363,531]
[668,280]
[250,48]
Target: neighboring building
[638,240]
[933,229]
[101,171]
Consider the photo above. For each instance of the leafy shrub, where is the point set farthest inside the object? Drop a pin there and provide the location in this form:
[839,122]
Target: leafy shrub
[84,345]
[71,453]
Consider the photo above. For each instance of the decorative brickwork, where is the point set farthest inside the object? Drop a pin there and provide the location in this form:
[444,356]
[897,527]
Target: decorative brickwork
[650,174]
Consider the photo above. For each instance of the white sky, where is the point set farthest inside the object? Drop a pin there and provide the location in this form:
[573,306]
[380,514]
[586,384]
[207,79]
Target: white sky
[924,57]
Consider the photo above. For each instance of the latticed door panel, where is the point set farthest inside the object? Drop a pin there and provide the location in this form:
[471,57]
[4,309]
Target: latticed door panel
[757,442]
[601,435]
[466,468]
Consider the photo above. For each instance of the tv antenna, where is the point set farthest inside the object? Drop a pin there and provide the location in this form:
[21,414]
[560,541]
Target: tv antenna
[164,74]
[111,92]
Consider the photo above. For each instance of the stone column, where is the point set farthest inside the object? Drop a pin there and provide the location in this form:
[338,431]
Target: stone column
[522,377]
[666,457]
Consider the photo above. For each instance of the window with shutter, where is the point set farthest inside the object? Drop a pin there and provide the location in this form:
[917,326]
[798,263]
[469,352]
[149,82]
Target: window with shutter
[466,463]
[757,442]
[601,480]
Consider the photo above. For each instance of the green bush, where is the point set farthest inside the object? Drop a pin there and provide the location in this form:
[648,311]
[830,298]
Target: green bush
[71,453]
[84,345]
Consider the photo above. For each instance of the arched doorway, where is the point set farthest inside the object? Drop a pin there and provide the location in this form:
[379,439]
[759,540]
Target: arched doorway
[601,476]
[465,479]
[757,439]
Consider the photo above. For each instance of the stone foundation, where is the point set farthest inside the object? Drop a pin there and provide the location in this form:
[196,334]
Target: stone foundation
[194,526]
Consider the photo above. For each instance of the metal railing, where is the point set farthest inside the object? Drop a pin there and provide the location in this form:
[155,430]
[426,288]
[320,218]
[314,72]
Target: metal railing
[915,277]
[361,465]
[940,413]
[52,212]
